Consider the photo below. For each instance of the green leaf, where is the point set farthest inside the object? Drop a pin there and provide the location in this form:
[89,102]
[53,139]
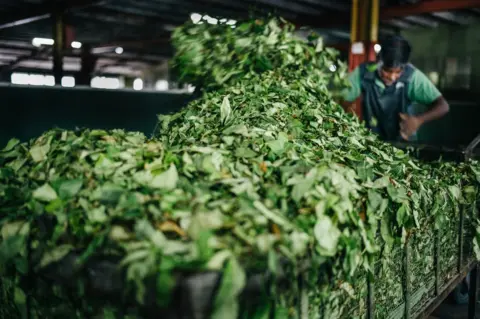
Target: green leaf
[278,146]
[476,249]
[20,300]
[455,191]
[165,285]
[225,110]
[11,144]
[54,255]
[45,193]
[39,152]
[245,152]
[274,217]
[401,215]
[97,215]
[226,304]
[385,230]
[218,260]
[108,193]
[303,185]
[166,180]
[327,236]
[69,188]
[243,42]
[15,228]
[300,243]
[381,182]
[144,229]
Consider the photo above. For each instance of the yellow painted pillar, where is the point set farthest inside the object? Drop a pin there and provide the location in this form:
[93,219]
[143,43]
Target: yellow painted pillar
[363,35]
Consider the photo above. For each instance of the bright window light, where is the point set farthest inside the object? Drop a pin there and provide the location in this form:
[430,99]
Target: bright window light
[377,47]
[119,50]
[19,78]
[76,45]
[196,17]
[36,79]
[138,84]
[42,41]
[102,82]
[161,85]
[49,80]
[32,79]
[68,81]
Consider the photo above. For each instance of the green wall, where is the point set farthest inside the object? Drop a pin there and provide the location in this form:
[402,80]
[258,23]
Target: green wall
[432,48]
[453,53]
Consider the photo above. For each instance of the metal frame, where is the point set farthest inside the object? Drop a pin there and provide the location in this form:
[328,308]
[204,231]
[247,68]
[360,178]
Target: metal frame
[441,291]
[448,288]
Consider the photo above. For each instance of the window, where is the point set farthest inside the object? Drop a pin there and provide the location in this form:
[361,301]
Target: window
[32,79]
[161,85]
[138,84]
[102,82]
[458,71]
[68,81]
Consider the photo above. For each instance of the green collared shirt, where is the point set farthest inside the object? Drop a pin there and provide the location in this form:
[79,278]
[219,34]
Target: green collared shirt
[420,89]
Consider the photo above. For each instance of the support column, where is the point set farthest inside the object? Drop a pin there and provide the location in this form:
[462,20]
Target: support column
[59,45]
[88,66]
[363,36]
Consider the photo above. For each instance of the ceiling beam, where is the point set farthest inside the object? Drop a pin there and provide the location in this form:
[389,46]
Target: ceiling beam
[23,19]
[427,7]
[389,13]
[329,4]
[290,6]
[422,21]
[400,24]
[166,18]
[40,12]
[452,17]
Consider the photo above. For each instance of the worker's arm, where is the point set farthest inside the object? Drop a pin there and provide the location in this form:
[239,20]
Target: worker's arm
[350,94]
[423,91]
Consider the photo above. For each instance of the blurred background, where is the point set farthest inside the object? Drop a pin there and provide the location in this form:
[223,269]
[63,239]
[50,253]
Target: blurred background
[91,63]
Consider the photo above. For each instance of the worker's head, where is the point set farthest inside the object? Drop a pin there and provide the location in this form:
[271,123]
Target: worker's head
[394,55]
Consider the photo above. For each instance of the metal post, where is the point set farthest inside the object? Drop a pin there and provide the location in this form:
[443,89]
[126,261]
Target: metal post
[472,292]
[303,300]
[354,22]
[58,46]
[374,23]
[406,267]
[460,238]
[370,297]
[88,66]
[437,262]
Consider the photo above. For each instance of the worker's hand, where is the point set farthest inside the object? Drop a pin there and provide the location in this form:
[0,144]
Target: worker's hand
[409,125]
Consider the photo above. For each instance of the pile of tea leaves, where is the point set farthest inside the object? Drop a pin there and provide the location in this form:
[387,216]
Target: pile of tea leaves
[264,173]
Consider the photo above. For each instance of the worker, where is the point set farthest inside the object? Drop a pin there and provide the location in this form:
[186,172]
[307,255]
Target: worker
[388,89]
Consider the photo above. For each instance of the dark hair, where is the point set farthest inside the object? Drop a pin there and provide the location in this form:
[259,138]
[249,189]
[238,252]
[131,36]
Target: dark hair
[395,51]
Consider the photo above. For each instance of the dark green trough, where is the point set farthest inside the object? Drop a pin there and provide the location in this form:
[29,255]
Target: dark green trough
[27,112]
